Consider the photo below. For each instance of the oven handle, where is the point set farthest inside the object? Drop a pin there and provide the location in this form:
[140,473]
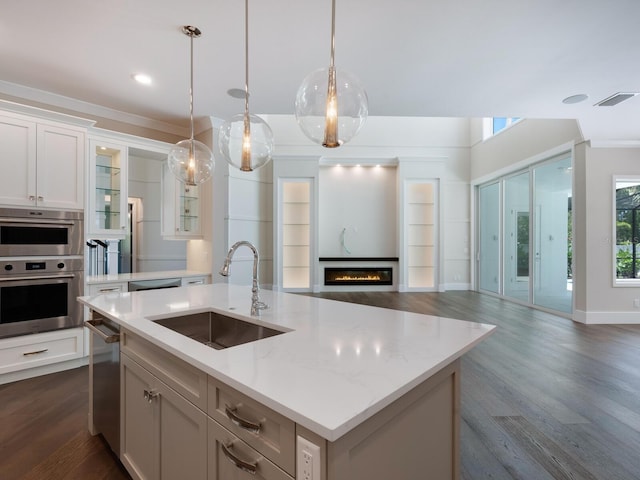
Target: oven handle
[93,326]
[40,277]
[41,221]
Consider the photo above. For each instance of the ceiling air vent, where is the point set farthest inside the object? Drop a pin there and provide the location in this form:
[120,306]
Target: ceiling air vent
[615,99]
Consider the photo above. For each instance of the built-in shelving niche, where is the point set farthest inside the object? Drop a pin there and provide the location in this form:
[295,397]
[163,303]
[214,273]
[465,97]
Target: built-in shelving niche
[420,235]
[296,234]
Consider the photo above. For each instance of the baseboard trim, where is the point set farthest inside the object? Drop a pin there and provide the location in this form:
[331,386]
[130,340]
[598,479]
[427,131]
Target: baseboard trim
[456,286]
[606,318]
[43,370]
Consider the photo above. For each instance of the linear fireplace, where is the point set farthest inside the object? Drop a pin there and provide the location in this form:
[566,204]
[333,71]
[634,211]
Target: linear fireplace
[358,276]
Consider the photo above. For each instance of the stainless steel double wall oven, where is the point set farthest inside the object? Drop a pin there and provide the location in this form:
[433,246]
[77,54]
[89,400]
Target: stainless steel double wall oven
[41,270]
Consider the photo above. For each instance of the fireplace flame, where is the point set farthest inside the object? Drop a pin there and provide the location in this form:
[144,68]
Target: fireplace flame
[350,278]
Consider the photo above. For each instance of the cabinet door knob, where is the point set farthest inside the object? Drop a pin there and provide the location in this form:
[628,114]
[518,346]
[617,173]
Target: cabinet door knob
[32,197]
[150,395]
[40,198]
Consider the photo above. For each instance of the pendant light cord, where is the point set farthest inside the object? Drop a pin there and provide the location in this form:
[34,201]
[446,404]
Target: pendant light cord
[191,89]
[246,57]
[333,32]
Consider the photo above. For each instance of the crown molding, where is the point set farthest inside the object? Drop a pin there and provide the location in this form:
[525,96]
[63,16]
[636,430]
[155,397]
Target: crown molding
[85,108]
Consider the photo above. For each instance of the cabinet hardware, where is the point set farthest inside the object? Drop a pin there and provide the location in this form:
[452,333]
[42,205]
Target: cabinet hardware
[32,197]
[40,198]
[241,422]
[196,282]
[112,289]
[26,354]
[251,468]
[93,326]
[150,395]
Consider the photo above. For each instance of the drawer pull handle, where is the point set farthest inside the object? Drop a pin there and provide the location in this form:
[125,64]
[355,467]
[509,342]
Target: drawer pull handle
[251,468]
[241,422]
[112,289]
[112,337]
[150,395]
[26,354]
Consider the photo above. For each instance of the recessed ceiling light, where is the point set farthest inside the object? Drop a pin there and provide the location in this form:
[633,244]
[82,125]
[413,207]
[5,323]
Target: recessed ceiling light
[575,98]
[142,78]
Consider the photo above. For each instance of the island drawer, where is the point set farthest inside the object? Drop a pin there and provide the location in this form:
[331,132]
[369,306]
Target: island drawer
[231,459]
[270,433]
[187,380]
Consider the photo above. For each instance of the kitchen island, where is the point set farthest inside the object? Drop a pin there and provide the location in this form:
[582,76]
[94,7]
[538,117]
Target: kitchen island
[375,390]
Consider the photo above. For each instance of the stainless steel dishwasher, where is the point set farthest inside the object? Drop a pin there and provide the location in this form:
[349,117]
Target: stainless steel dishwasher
[104,380]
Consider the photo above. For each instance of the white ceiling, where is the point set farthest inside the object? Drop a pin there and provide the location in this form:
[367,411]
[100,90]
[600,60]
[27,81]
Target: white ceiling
[457,58]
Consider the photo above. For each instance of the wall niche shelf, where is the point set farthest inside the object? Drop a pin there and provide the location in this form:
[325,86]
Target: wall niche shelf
[296,234]
[420,214]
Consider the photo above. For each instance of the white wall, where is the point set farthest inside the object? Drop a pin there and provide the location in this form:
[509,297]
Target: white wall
[518,146]
[236,206]
[153,253]
[602,302]
[362,201]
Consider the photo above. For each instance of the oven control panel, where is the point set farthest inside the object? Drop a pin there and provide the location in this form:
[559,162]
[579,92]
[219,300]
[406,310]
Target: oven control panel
[39,266]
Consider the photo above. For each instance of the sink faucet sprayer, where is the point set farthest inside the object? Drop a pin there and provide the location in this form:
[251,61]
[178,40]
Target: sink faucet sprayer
[256,304]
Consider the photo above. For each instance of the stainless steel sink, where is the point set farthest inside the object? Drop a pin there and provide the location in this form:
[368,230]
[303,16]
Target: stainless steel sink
[216,330]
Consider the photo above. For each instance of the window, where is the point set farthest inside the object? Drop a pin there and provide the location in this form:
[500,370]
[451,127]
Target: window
[494,125]
[627,230]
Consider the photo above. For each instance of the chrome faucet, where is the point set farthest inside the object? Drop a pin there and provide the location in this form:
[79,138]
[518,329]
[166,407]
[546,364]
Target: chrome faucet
[256,304]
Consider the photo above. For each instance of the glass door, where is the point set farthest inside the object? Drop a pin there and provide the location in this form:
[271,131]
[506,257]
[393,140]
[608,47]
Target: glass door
[524,235]
[489,237]
[516,237]
[552,286]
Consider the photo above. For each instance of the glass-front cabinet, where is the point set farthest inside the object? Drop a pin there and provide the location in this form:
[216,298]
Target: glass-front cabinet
[180,208]
[108,173]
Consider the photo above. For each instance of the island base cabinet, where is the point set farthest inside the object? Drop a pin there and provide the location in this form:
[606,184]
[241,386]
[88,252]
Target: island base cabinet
[232,459]
[163,436]
[414,438]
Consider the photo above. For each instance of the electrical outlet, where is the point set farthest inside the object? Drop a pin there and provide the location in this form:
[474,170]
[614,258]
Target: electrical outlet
[307,459]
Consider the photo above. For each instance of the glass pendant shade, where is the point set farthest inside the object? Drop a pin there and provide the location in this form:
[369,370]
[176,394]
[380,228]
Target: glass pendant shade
[331,106]
[246,145]
[245,140]
[191,161]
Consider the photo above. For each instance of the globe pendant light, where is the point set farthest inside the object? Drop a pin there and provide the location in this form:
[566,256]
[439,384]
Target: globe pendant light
[245,140]
[331,106]
[189,160]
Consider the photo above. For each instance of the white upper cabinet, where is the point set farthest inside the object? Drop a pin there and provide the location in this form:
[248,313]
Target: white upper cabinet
[180,208]
[41,163]
[108,173]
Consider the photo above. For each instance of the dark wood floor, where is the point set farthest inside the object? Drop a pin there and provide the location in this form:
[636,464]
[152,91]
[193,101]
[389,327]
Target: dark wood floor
[43,431]
[542,398]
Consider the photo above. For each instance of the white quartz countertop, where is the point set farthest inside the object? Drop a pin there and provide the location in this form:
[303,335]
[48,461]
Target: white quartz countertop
[133,277]
[338,364]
